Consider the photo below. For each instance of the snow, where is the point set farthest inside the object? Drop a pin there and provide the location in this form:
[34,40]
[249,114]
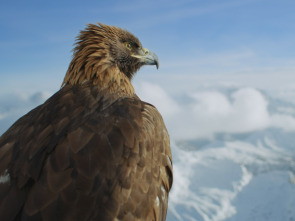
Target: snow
[232,139]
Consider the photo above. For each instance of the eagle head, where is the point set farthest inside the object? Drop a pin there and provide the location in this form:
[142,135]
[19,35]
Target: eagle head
[100,48]
[127,51]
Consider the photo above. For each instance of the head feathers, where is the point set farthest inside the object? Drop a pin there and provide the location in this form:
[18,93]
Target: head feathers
[99,49]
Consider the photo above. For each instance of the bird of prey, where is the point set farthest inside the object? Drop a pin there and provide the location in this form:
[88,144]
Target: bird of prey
[94,150]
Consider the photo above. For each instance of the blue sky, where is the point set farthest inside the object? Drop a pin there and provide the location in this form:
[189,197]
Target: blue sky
[190,37]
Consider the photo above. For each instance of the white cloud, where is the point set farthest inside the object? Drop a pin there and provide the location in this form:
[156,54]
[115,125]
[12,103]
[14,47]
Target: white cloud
[283,121]
[246,111]
[163,102]
[13,106]
[250,109]
[209,111]
[211,103]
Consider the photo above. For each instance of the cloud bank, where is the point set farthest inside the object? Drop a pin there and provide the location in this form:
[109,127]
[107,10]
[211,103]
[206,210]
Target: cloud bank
[15,105]
[208,111]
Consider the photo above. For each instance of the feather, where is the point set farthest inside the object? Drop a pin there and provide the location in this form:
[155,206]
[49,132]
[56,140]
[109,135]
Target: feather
[92,151]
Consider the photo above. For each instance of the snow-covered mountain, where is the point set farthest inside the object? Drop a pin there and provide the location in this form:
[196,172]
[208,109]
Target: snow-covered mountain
[233,143]
[244,177]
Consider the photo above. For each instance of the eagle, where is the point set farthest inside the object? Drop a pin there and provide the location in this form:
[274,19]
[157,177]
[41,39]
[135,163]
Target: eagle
[94,150]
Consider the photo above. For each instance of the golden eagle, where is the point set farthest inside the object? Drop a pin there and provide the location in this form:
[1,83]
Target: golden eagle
[94,150]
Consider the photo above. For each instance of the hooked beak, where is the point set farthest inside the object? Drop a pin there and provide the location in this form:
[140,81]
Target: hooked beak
[147,57]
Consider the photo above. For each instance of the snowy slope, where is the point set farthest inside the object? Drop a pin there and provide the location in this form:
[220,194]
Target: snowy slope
[233,143]
[235,179]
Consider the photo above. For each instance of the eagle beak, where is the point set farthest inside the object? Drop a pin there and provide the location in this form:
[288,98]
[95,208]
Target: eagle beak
[147,57]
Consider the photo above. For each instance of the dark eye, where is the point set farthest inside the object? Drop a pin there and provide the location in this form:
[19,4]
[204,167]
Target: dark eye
[128,45]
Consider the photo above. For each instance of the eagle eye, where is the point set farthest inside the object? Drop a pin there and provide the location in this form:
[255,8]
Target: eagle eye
[128,45]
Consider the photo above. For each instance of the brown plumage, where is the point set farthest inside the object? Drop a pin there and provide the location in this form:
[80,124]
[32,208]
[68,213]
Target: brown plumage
[94,150]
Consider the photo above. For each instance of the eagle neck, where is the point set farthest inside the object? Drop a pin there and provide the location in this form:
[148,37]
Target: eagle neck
[113,81]
[108,80]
